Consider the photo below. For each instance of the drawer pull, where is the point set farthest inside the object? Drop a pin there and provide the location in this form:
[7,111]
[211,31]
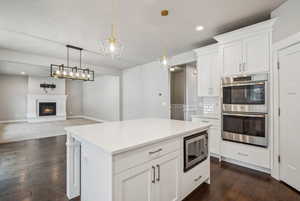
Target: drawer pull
[153,180]
[198,178]
[158,172]
[242,154]
[154,152]
[204,121]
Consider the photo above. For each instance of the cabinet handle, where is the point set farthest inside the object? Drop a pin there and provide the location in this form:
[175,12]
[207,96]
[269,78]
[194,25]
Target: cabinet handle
[154,152]
[198,178]
[153,180]
[240,67]
[158,173]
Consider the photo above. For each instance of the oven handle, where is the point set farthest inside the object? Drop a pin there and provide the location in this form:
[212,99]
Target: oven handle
[246,115]
[243,84]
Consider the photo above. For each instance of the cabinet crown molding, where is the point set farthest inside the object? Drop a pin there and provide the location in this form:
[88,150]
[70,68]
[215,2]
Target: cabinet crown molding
[264,26]
[207,49]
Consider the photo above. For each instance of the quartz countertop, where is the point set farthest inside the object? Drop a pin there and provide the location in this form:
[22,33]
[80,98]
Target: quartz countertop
[121,136]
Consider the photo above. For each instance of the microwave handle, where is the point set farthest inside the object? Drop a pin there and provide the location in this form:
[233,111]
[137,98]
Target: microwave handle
[246,115]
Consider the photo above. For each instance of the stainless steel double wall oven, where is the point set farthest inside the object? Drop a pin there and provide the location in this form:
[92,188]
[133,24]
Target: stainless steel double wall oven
[245,109]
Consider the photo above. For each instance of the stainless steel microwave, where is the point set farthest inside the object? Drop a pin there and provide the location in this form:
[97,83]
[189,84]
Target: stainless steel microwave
[195,149]
[248,94]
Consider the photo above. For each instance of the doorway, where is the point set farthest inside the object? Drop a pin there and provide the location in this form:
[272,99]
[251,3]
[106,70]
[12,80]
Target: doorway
[183,91]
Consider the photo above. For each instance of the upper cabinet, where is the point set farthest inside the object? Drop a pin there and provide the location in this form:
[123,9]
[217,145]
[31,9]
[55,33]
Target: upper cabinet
[246,50]
[208,69]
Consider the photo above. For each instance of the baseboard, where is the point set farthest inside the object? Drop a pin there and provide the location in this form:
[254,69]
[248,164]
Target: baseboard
[247,165]
[86,117]
[13,121]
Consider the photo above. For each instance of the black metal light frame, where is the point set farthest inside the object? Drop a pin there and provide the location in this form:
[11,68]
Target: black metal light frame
[74,70]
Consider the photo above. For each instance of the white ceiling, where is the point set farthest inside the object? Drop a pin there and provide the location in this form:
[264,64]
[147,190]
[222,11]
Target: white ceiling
[43,26]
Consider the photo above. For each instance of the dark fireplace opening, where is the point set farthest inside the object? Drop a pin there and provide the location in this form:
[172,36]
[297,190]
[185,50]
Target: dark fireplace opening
[47,109]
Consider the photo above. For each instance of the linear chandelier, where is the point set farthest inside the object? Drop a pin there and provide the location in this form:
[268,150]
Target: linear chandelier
[73,73]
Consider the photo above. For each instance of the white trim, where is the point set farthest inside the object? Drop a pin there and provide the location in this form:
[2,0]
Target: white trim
[87,117]
[247,165]
[277,47]
[13,121]
[207,49]
[246,31]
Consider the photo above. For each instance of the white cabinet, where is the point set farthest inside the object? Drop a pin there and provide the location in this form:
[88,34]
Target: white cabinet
[249,154]
[167,177]
[208,71]
[232,57]
[246,50]
[135,184]
[214,133]
[157,180]
[256,53]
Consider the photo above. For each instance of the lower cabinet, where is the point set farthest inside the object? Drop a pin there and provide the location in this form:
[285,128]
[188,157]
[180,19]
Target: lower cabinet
[156,180]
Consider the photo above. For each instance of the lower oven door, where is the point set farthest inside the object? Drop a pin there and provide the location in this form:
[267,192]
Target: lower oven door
[246,128]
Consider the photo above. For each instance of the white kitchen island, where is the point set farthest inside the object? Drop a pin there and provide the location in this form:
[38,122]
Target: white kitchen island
[135,160]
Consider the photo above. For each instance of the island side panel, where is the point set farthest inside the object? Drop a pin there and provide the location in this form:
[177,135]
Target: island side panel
[96,173]
[73,167]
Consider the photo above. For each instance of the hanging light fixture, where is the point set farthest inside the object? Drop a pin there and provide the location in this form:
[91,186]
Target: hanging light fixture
[74,73]
[112,46]
[165,60]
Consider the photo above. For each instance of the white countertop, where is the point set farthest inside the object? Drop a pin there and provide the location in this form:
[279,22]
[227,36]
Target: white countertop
[120,136]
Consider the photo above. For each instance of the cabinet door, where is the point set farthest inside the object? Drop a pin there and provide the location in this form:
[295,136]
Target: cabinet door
[167,177]
[214,140]
[215,77]
[208,74]
[204,73]
[135,184]
[232,58]
[256,53]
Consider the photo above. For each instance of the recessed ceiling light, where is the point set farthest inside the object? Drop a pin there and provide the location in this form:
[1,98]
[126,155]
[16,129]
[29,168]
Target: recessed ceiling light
[23,73]
[199,28]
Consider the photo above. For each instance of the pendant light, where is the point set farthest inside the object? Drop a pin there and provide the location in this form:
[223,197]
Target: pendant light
[112,46]
[165,60]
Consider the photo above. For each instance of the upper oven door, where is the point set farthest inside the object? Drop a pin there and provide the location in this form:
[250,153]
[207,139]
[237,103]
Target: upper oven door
[245,97]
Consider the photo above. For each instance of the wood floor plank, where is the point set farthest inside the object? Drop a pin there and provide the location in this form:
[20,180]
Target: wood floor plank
[34,170]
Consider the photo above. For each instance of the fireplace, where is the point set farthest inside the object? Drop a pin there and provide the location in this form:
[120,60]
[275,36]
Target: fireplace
[47,109]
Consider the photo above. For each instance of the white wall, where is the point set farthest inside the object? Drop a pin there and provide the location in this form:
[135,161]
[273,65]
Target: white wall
[13,95]
[145,92]
[34,85]
[145,89]
[288,20]
[101,98]
[74,91]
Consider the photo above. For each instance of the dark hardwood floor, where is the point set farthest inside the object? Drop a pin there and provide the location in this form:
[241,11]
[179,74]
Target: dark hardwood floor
[34,170]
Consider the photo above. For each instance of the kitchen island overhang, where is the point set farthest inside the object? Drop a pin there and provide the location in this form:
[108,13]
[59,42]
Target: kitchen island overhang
[100,155]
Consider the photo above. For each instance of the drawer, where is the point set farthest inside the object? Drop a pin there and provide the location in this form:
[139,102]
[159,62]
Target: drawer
[136,157]
[194,177]
[246,153]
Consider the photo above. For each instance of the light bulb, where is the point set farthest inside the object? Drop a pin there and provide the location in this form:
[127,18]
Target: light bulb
[77,74]
[71,74]
[83,75]
[57,72]
[112,47]
[172,69]
[88,75]
[65,73]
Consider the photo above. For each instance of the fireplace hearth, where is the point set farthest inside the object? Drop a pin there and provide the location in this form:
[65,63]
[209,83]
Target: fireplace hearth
[47,109]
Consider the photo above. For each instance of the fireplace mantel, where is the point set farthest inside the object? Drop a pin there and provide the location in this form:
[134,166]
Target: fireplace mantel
[33,101]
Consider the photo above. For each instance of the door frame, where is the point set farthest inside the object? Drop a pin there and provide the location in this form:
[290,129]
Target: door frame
[275,102]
